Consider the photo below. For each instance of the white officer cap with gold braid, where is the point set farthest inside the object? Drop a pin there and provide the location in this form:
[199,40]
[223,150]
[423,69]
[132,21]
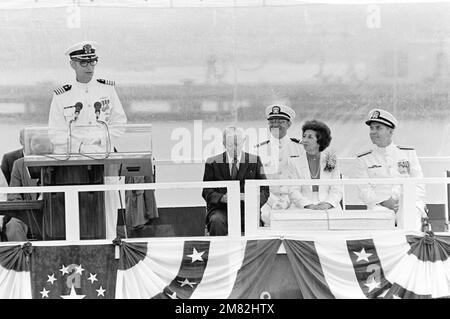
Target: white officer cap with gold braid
[280,111]
[84,50]
[383,117]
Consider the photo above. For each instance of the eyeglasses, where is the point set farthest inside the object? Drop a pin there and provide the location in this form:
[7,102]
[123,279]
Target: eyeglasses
[85,63]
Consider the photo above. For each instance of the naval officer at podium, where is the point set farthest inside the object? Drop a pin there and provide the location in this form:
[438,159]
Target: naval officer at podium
[88,101]
[85,100]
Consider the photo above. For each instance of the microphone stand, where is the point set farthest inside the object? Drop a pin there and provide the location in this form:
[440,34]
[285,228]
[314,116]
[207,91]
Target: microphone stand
[108,136]
[108,141]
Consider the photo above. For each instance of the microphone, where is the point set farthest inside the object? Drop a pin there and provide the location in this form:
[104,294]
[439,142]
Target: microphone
[78,106]
[97,107]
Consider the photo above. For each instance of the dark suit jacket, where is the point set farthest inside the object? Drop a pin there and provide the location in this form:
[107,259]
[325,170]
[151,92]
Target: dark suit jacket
[8,162]
[21,177]
[217,168]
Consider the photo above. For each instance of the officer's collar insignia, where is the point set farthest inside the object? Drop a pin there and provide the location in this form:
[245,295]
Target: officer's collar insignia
[276,110]
[262,143]
[108,82]
[364,154]
[87,48]
[375,115]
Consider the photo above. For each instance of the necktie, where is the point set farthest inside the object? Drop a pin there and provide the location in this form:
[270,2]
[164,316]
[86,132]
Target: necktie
[234,169]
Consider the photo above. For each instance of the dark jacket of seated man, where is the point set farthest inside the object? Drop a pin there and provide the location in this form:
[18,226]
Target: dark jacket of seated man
[218,168]
[15,229]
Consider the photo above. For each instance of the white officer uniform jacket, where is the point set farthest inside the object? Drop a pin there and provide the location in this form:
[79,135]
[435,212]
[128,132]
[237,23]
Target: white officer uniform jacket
[390,162]
[275,154]
[83,139]
[303,195]
[99,90]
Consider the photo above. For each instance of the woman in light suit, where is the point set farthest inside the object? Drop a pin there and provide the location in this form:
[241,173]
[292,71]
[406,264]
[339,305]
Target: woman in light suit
[317,164]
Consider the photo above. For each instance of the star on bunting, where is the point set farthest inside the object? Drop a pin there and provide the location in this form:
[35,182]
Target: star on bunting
[64,270]
[79,270]
[44,293]
[396,297]
[362,255]
[383,294]
[172,296]
[372,284]
[196,255]
[101,291]
[73,294]
[51,278]
[187,282]
[92,278]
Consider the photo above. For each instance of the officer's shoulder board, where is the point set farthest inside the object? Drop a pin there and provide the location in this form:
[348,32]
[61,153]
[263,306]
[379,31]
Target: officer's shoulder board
[262,143]
[406,148]
[62,89]
[364,154]
[295,140]
[107,82]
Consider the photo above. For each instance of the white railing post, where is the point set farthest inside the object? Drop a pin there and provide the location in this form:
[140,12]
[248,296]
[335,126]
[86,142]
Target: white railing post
[407,213]
[72,215]
[234,210]
[251,208]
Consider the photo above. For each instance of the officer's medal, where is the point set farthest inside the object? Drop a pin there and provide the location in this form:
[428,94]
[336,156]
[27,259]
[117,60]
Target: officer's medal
[106,108]
[403,167]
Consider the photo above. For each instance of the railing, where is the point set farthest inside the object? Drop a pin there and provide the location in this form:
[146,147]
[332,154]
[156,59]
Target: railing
[72,221]
[186,171]
[252,209]
[408,199]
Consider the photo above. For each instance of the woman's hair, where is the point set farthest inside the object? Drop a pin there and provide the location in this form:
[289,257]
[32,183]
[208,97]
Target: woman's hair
[323,133]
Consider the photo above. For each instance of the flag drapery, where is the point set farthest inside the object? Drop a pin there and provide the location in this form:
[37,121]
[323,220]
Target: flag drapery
[15,281]
[389,265]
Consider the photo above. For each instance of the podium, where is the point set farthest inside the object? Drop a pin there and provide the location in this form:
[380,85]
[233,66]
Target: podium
[86,155]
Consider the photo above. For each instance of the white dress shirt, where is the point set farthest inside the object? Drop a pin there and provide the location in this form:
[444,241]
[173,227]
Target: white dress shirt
[231,159]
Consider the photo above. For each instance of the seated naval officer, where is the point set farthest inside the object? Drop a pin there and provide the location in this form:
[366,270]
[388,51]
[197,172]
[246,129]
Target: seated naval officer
[85,101]
[388,160]
[274,154]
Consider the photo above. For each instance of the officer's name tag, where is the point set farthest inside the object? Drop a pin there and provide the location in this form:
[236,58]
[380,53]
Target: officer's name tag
[374,166]
[403,167]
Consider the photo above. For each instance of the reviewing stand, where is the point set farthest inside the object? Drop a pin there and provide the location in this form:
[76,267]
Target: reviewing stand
[55,166]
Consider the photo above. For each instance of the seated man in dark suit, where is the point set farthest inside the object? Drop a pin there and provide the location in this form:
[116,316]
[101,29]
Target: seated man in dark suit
[9,158]
[20,176]
[12,229]
[233,164]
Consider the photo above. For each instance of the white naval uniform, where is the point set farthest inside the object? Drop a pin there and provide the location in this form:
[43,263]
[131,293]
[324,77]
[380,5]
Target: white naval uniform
[389,162]
[274,155]
[99,90]
[111,113]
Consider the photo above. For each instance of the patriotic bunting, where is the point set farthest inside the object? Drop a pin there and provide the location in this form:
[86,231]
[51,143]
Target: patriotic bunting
[390,265]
